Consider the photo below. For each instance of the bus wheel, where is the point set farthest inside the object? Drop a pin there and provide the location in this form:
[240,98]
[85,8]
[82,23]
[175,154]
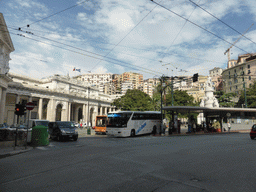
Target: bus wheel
[133,133]
[60,138]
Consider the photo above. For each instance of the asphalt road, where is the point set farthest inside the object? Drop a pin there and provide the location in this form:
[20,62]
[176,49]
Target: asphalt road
[176,163]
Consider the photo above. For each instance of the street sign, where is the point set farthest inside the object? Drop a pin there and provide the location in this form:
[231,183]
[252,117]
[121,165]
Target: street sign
[30,106]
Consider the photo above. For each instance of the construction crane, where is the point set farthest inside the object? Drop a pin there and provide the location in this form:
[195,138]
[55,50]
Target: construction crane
[228,50]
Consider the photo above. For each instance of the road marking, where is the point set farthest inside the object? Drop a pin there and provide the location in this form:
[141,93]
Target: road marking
[42,148]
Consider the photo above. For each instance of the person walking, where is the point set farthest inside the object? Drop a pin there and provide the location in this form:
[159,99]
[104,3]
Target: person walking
[229,127]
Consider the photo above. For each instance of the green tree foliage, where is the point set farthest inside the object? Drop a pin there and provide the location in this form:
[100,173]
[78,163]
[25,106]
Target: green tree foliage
[180,98]
[250,96]
[225,100]
[156,101]
[134,100]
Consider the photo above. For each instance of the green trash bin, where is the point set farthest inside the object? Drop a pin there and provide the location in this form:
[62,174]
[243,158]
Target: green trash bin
[39,135]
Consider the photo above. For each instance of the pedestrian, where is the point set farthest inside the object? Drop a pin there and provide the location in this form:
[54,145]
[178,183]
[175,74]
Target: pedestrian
[194,127]
[170,127]
[229,127]
[164,127]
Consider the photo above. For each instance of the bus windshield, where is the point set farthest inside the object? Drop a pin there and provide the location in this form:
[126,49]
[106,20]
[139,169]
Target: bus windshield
[118,119]
[101,121]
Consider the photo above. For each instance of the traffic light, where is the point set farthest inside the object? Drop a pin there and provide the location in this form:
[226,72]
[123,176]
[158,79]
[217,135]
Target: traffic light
[19,109]
[195,77]
[23,109]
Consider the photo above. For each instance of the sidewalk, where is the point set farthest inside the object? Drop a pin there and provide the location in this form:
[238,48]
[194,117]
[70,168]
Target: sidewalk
[10,151]
[7,147]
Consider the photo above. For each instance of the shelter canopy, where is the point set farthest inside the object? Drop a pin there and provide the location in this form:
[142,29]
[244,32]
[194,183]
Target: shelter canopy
[208,110]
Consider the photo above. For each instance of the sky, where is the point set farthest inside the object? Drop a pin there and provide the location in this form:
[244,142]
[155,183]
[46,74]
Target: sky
[153,38]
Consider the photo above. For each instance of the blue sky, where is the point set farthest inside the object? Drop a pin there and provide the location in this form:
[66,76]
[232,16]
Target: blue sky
[116,36]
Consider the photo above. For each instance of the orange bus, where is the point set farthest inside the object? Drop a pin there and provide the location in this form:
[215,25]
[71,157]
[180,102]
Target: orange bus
[100,124]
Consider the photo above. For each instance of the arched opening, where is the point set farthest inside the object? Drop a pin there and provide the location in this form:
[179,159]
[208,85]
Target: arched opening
[58,112]
[80,114]
[44,115]
[44,110]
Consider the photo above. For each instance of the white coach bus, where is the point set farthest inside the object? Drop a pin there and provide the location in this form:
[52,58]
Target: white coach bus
[131,123]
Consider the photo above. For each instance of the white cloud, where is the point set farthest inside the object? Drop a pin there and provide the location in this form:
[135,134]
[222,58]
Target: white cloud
[110,21]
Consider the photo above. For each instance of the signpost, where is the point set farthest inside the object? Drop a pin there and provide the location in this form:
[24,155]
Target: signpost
[29,106]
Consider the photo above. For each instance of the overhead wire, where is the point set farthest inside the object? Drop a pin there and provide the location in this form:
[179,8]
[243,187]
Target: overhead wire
[56,13]
[178,33]
[129,65]
[122,46]
[221,21]
[128,33]
[173,53]
[198,25]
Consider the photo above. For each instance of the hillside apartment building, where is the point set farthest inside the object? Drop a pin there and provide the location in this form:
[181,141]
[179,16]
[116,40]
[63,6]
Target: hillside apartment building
[240,74]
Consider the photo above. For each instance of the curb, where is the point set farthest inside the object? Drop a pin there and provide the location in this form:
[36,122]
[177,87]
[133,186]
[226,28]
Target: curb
[12,153]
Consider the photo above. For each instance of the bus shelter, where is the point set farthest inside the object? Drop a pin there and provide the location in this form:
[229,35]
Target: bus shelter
[243,117]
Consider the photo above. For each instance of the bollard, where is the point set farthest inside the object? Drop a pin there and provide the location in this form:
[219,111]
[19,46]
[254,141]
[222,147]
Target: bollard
[88,131]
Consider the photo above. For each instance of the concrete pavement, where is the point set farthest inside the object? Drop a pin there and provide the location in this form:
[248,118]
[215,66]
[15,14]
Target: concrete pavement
[7,147]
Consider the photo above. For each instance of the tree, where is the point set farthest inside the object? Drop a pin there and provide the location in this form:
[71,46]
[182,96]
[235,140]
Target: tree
[225,99]
[180,98]
[134,100]
[250,96]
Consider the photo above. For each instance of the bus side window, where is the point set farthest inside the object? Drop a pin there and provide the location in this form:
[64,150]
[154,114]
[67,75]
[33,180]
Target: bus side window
[135,116]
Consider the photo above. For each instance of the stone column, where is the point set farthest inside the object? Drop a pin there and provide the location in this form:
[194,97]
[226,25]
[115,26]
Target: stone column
[1,94]
[2,104]
[96,112]
[87,114]
[105,110]
[100,110]
[64,112]
[90,115]
[40,108]
[51,110]
[84,113]
[69,111]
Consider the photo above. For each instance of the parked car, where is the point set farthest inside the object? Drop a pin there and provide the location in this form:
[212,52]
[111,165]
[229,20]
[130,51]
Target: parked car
[253,132]
[61,130]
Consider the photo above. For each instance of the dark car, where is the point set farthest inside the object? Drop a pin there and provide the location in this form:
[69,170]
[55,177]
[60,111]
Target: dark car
[61,130]
[253,132]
